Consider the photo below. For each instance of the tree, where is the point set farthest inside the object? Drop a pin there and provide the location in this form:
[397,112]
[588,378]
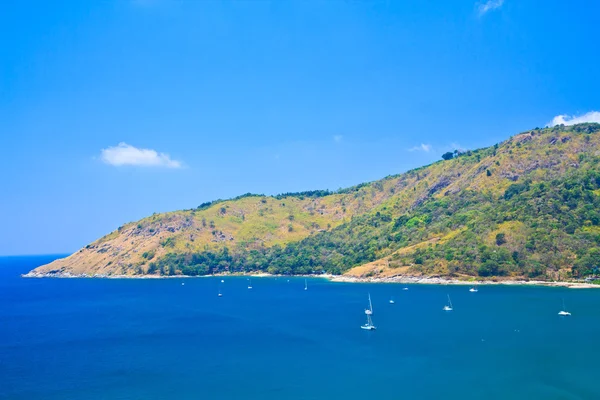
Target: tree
[500,239]
[488,172]
[448,156]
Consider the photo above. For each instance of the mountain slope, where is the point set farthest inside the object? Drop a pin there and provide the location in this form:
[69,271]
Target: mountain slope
[525,207]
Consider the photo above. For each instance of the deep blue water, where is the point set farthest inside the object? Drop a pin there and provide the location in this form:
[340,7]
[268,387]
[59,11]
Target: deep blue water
[159,339]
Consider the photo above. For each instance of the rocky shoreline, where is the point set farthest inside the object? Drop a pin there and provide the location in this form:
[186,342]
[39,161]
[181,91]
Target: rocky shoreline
[405,279]
[66,275]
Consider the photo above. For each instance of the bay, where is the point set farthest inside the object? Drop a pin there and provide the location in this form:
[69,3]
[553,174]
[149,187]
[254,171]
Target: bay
[159,339]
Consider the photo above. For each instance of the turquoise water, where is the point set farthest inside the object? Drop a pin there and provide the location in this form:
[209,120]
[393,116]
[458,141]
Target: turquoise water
[156,339]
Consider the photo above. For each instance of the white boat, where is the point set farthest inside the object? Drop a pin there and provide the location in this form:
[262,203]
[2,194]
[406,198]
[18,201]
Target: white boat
[305,285]
[369,311]
[182,284]
[249,284]
[220,294]
[392,301]
[222,281]
[564,312]
[473,289]
[369,325]
[405,288]
[448,307]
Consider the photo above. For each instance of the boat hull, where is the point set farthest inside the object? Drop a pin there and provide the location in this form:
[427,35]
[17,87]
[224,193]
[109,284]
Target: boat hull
[368,327]
[564,314]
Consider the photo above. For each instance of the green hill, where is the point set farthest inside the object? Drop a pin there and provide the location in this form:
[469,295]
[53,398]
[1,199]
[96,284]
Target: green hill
[527,207]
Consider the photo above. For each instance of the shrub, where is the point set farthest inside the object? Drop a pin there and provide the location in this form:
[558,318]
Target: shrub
[500,239]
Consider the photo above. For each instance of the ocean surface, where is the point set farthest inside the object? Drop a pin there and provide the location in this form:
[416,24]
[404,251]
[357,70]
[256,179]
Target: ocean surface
[159,339]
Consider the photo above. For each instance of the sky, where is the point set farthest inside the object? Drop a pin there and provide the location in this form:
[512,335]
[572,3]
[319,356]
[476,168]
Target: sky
[113,110]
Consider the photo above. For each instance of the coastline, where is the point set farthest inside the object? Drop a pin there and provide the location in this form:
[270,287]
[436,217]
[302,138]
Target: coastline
[404,279]
[420,280]
[68,275]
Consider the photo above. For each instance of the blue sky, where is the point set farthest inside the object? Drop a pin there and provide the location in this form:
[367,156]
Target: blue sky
[113,110]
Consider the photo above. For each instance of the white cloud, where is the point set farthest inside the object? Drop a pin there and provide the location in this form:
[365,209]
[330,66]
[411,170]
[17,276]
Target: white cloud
[125,154]
[489,5]
[337,138]
[422,147]
[592,116]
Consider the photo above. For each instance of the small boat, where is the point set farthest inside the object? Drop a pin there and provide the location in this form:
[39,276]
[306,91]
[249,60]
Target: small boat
[473,290]
[220,294]
[448,307]
[249,284]
[405,288]
[392,301]
[182,283]
[305,285]
[564,312]
[369,311]
[222,281]
[369,325]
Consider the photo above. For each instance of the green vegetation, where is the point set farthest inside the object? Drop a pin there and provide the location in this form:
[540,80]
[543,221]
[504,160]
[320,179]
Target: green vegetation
[302,195]
[528,207]
[550,235]
[448,156]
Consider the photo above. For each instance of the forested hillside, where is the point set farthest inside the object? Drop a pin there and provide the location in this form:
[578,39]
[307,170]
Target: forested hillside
[526,207]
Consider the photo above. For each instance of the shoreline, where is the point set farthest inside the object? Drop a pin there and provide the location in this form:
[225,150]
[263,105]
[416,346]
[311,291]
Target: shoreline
[428,280]
[68,275]
[405,279]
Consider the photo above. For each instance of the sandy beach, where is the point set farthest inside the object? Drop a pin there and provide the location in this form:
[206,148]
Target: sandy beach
[449,281]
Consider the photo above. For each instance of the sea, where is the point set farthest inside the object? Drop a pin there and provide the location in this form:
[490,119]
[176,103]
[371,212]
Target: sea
[176,339]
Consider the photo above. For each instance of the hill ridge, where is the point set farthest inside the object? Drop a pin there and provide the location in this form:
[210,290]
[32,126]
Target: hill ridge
[472,191]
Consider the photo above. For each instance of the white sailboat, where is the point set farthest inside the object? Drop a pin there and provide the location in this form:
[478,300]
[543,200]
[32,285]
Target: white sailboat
[220,294]
[369,325]
[392,301]
[305,285]
[369,311]
[564,312]
[249,284]
[473,289]
[448,307]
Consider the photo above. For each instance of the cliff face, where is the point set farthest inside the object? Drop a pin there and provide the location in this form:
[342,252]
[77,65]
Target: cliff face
[525,207]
